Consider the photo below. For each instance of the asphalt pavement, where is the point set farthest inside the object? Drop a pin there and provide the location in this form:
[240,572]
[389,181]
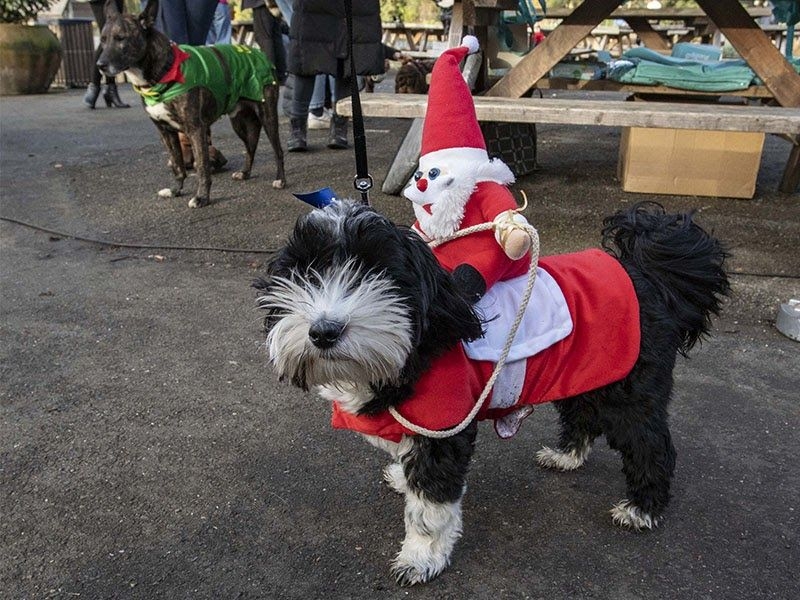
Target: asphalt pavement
[148,451]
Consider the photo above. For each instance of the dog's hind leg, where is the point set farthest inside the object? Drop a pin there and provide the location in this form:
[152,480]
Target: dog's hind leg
[435,475]
[579,428]
[648,462]
[170,139]
[269,119]
[246,122]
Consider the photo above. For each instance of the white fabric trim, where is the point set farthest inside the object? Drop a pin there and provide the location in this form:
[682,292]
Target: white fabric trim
[545,322]
[452,157]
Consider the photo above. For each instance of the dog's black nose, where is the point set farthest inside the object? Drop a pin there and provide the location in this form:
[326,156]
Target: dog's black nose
[324,333]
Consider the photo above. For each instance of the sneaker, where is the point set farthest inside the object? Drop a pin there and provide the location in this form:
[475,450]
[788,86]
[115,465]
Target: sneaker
[320,122]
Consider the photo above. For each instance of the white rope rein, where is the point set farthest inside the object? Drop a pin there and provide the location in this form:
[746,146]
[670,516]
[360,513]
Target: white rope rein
[534,253]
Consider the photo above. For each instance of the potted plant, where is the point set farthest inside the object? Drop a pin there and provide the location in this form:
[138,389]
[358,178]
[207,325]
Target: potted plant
[30,54]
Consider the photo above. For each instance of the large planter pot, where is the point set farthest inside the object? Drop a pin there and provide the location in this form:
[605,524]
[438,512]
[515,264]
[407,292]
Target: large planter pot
[29,58]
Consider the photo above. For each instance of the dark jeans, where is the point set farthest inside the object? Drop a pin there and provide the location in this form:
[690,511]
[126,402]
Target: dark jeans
[186,21]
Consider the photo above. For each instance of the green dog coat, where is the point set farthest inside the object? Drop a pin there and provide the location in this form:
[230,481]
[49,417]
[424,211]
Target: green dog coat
[243,74]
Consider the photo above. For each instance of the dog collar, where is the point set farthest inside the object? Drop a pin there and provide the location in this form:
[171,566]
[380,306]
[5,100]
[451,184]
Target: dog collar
[174,74]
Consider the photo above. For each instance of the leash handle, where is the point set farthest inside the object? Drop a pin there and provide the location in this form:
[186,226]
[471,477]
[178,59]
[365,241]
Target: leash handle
[362,181]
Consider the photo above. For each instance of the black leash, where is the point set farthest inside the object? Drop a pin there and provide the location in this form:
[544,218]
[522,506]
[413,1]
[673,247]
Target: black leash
[363,180]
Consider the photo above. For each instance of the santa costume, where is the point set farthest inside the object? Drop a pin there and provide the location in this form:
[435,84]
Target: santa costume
[457,185]
[580,330]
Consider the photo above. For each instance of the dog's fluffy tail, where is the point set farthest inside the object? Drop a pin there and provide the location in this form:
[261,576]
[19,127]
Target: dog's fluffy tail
[678,258]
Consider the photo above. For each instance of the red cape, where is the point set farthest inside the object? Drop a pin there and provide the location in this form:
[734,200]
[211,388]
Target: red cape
[601,349]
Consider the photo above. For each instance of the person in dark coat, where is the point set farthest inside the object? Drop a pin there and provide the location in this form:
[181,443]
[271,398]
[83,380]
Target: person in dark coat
[319,43]
[268,30]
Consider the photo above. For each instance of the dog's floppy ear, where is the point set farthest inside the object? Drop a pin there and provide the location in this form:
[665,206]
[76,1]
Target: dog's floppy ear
[147,18]
[447,314]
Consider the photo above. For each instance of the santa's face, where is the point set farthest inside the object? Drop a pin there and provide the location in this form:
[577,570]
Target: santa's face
[442,186]
[428,184]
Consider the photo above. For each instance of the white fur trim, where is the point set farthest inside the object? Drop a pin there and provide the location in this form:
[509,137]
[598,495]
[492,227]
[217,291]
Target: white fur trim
[470,42]
[546,319]
[453,156]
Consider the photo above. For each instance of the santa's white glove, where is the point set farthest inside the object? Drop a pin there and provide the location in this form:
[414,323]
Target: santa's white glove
[510,233]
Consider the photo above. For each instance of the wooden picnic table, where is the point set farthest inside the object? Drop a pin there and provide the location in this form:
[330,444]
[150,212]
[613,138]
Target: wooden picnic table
[656,38]
[729,16]
[415,35]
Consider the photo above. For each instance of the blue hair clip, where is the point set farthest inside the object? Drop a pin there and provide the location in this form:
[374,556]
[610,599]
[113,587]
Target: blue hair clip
[318,199]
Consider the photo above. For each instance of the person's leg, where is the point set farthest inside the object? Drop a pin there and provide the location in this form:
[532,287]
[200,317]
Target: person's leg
[111,94]
[337,139]
[301,97]
[221,30]
[93,90]
[285,6]
[214,29]
[317,117]
[318,96]
[199,14]
[225,28]
[172,20]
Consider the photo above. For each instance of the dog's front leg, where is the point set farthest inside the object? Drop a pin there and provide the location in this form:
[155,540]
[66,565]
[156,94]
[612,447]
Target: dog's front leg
[435,474]
[171,142]
[198,136]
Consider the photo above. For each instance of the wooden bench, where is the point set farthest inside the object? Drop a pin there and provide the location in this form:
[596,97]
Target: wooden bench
[611,113]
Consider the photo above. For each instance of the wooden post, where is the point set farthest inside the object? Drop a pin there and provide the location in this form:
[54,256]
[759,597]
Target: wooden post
[649,36]
[753,45]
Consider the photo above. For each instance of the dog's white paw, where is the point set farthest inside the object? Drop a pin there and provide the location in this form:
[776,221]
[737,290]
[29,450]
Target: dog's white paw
[240,175]
[278,184]
[197,202]
[410,570]
[562,461]
[626,514]
[394,476]
[166,193]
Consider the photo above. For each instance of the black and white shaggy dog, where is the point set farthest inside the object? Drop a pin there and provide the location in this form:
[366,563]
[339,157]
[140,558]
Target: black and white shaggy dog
[360,308]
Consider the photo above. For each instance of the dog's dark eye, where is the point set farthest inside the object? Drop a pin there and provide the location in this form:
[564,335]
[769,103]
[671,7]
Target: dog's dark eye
[119,38]
[433,173]
[417,175]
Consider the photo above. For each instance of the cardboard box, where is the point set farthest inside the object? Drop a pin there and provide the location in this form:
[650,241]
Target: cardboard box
[689,162]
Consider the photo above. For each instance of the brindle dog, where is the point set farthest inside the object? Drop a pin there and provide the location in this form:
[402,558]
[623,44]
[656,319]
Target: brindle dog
[132,45]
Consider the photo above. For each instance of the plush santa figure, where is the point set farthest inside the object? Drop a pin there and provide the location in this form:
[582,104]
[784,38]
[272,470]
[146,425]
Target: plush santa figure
[457,185]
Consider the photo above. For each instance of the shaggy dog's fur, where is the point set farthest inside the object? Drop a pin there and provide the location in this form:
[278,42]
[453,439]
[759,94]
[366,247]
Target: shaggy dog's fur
[359,307]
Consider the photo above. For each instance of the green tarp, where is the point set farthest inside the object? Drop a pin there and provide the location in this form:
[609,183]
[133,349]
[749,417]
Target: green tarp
[640,66]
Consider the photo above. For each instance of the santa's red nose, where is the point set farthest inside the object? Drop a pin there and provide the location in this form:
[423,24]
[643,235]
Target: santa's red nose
[422,185]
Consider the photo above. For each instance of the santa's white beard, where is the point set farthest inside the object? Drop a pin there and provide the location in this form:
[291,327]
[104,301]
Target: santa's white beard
[440,208]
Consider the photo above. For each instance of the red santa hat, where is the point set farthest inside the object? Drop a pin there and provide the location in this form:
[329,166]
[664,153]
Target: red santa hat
[450,121]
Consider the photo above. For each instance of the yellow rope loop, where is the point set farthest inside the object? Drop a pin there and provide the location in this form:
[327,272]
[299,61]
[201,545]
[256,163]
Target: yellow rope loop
[534,252]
